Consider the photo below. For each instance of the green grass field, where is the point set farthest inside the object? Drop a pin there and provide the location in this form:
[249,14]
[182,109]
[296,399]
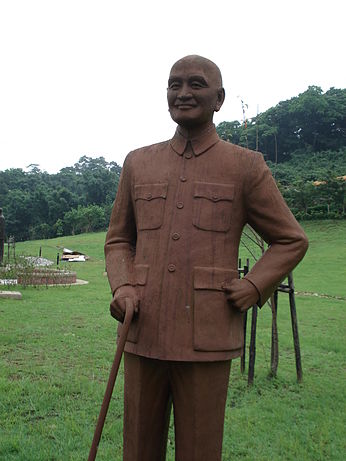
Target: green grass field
[57,345]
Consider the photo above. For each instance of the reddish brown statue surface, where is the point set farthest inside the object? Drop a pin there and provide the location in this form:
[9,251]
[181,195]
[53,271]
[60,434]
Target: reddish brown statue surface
[172,249]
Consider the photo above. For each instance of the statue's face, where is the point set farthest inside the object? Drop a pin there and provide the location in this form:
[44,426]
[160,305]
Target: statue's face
[194,93]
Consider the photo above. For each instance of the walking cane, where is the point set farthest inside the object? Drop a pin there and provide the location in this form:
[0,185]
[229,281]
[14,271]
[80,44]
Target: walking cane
[111,380]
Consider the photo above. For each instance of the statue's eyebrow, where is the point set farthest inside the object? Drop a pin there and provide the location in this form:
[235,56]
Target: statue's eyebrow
[174,79]
[199,78]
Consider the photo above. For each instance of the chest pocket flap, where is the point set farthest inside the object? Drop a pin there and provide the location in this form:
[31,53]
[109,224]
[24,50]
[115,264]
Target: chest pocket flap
[212,206]
[214,192]
[150,205]
[150,191]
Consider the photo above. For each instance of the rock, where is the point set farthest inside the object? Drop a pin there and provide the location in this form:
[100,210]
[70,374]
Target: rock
[11,294]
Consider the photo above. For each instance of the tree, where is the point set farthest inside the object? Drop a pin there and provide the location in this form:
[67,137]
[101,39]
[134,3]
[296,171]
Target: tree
[312,121]
[84,219]
[34,201]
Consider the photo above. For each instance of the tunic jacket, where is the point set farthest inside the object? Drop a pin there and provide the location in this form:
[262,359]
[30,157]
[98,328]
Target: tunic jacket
[174,233]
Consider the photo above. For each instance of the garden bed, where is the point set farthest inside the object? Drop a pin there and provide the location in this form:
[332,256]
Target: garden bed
[44,276]
[37,276]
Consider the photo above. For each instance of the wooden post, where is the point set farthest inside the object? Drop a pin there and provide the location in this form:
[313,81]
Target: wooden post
[295,328]
[275,338]
[252,348]
[11,243]
[242,359]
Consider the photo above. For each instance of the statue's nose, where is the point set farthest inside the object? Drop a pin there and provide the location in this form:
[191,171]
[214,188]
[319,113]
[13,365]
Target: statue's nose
[184,96]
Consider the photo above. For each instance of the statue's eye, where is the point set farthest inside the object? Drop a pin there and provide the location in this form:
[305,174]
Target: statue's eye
[174,86]
[197,83]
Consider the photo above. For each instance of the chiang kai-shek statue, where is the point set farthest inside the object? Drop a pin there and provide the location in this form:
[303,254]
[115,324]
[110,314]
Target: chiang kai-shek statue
[172,249]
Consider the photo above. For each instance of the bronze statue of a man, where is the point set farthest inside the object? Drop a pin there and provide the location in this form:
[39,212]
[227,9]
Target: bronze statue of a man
[172,249]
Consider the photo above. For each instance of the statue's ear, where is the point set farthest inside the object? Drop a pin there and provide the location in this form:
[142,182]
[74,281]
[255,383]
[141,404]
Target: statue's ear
[220,99]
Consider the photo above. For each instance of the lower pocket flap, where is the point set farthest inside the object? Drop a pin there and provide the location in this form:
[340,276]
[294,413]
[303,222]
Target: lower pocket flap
[212,278]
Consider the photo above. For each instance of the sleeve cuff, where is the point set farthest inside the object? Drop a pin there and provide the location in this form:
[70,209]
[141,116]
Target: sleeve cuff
[259,304]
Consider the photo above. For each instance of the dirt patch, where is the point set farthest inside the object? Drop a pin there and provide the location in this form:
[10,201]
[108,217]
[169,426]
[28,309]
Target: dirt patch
[319,295]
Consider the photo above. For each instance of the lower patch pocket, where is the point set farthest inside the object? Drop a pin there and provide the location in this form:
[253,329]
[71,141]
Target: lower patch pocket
[216,325]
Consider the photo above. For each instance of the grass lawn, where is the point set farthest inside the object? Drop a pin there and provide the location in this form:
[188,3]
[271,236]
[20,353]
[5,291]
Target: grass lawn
[57,345]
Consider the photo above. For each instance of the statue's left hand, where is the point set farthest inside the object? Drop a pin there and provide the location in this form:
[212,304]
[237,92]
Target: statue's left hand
[118,303]
[241,294]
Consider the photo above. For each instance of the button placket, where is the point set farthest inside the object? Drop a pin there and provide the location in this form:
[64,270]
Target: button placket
[179,203]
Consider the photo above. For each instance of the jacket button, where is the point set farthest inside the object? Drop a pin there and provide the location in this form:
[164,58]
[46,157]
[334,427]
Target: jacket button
[175,236]
[149,196]
[183,179]
[180,205]
[188,155]
[215,197]
[171,267]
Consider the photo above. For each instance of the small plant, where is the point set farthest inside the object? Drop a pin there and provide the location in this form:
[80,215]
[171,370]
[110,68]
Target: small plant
[19,269]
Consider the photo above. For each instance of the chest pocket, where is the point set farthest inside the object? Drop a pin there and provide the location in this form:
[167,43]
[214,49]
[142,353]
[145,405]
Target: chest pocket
[212,206]
[150,202]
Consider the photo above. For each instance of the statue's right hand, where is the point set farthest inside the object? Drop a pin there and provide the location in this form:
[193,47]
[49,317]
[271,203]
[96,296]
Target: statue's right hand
[118,305]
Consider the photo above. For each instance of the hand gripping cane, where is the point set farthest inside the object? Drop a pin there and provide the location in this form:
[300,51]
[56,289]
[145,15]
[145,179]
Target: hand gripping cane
[111,380]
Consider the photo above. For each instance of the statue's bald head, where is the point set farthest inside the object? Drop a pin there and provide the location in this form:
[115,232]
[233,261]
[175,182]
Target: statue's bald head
[194,92]
[209,67]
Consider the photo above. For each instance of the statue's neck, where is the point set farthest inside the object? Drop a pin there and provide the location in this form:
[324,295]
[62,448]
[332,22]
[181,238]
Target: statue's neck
[195,132]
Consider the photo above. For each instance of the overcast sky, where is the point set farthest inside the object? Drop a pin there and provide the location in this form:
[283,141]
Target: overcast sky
[81,77]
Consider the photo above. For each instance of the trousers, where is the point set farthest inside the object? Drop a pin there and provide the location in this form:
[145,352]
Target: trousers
[196,390]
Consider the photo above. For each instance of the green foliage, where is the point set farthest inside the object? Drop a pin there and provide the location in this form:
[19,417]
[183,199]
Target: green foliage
[312,184]
[312,121]
[77,199]
[84,219]
[303,140]
[58,228]
[310,166]
[21,267]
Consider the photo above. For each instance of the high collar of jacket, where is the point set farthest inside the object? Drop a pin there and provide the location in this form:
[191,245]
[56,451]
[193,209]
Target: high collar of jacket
[199,144]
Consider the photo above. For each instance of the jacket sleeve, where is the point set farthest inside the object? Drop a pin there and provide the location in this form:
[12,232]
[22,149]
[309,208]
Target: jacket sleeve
[120,245]
[270,217]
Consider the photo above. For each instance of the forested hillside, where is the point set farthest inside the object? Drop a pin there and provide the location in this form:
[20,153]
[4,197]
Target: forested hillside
[303,140]
[75,200]
[313,121]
